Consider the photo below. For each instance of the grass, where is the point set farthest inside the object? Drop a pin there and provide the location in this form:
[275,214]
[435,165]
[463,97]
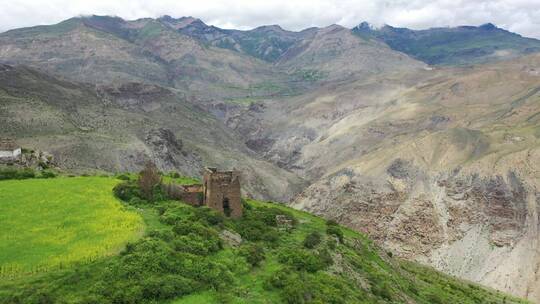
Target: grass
[165,266]
[243,101]
[182,180]
[52,223]
[404,281]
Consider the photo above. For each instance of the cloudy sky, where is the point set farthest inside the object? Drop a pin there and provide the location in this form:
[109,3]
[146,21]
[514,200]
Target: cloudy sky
[521,16]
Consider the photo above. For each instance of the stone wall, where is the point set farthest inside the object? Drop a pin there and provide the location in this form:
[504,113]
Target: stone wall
[191,194]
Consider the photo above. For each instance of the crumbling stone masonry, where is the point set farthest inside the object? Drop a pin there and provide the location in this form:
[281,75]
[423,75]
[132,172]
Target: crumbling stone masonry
[220,191]
[191,194]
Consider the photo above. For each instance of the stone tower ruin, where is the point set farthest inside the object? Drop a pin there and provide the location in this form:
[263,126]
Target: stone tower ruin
[221,191]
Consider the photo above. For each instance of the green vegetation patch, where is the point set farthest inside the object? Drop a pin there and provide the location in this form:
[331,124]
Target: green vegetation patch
[51,223]
[286,256]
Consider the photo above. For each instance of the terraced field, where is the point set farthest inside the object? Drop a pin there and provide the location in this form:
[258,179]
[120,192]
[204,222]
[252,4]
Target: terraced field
[51,223]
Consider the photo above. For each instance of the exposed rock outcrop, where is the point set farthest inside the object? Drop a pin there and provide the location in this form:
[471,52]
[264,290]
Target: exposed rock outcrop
[170,154]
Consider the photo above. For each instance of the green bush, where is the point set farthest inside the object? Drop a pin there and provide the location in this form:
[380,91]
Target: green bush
[26,173]
[383,291]
[197,245]
[123,177]
[253,253]
[127,191]
[208,216]
[259,224]
[196,238]
[331,223]
[8,173]
[312,240]
[14,173]
[136,201]
[300,287]
[255,231]
[47,174]
[331,243]
[303,260]
[335,231]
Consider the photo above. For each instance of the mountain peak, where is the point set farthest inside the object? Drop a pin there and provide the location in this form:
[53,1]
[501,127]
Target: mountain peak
[488,26]
[269,28]
[179,23]
[363,26]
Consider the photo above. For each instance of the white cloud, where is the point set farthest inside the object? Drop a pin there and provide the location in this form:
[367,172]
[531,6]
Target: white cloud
[521,16]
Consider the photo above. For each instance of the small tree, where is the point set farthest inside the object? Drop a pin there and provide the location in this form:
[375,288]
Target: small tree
[149,178]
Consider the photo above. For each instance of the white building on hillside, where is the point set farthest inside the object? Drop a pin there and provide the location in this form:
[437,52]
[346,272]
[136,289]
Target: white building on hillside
[9,150]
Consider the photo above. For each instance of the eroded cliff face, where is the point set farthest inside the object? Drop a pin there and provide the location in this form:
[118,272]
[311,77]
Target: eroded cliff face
[479,227]
[445,173]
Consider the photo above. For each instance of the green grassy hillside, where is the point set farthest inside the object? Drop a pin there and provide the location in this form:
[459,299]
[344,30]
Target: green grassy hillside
[51,223]
[182,258]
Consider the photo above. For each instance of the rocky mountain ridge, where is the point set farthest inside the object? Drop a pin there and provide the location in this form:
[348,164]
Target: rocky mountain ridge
[460,45]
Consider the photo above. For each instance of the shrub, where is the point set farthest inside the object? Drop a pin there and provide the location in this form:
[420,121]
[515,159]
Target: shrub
[331,243]
[259,224]
[331,223]
[26,173]
[246,205]
[123,177]
[126,191]
[253,253]
[163,234]
[136,201]
[191,227]
[312,240]
[196,244]
[158,194]
[382,290]
[300,287]
[13,173]
[209,216]
[325,257]
[303,260]
[255,231]
[335,231]
[8,173]
[436,299]
[196,238]
[47,174]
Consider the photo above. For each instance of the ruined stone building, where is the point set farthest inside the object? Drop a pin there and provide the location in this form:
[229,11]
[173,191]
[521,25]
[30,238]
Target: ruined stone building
[9,150]
[220,191]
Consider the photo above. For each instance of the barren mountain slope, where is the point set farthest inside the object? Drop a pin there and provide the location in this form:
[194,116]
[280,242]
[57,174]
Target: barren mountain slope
[445,172]
[335,52]
[115,128]
[100,49]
